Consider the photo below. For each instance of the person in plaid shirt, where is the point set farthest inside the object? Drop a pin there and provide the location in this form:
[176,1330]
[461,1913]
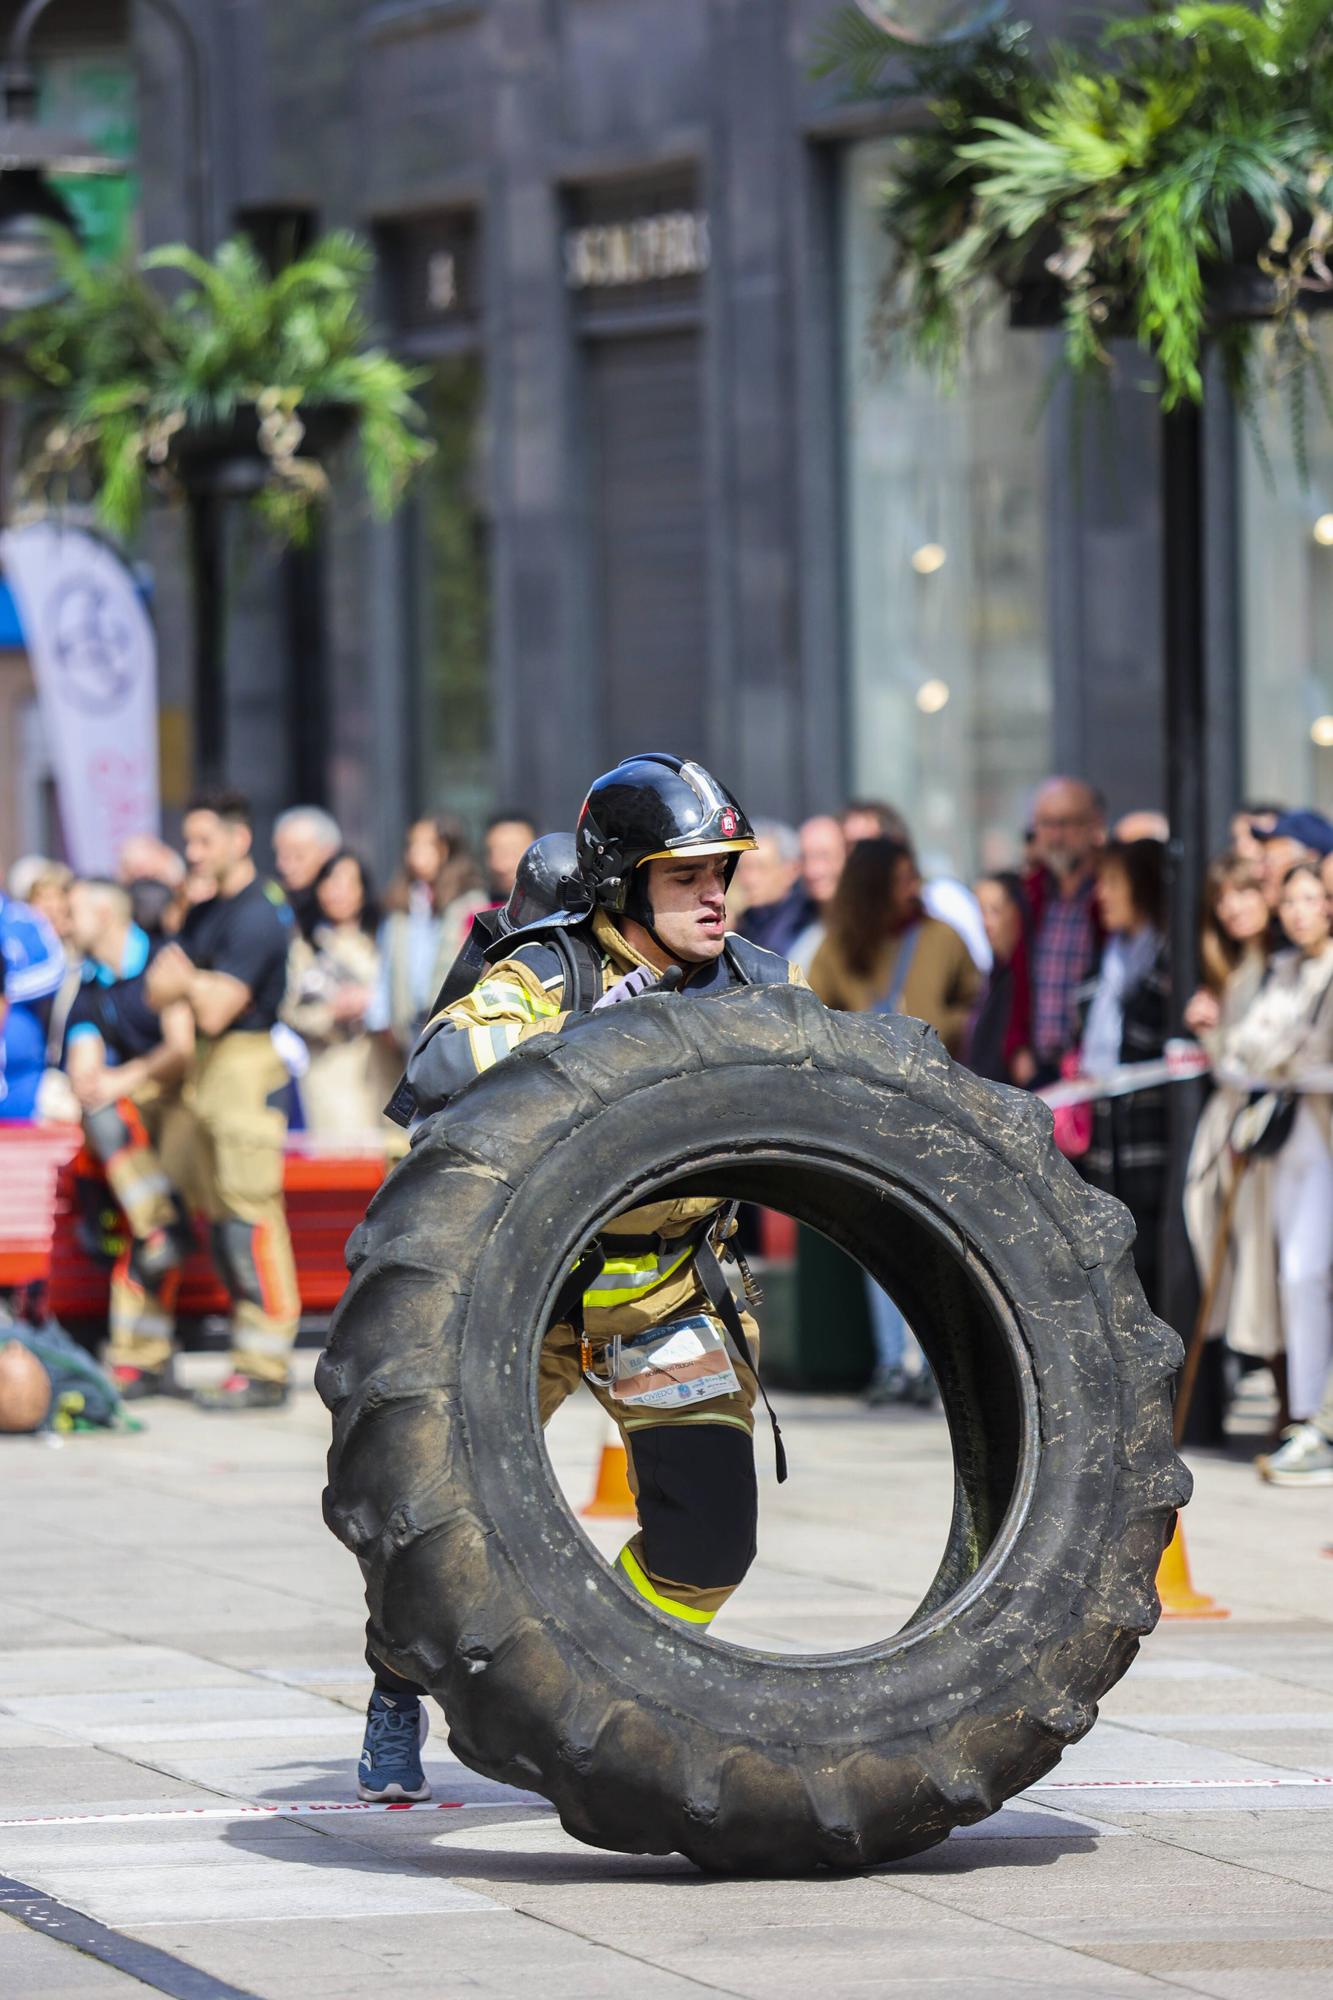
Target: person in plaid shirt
[1069,825]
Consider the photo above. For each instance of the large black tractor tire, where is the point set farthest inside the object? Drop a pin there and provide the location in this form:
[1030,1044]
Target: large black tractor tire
[1056,1381]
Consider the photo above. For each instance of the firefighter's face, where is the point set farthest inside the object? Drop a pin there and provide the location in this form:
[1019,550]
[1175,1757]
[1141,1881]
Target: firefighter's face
[689,899]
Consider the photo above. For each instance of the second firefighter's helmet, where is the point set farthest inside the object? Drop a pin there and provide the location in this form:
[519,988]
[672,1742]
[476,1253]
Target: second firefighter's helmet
[650,808]
[546,885]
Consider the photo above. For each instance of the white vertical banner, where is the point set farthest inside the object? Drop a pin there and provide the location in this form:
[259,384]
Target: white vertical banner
[94,659]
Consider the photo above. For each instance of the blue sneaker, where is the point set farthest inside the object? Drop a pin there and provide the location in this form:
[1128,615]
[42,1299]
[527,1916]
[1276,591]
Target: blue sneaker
[390,1767]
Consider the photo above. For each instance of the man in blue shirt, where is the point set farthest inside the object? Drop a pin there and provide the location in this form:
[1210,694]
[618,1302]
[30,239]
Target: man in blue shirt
[34,973]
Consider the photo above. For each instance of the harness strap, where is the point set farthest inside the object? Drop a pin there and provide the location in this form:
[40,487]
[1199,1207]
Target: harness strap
[714,1281]
[568,1305]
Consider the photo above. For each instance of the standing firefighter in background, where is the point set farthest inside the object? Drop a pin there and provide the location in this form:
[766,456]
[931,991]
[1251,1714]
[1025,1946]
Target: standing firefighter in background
[127,1065]
[656,844]
[230,968]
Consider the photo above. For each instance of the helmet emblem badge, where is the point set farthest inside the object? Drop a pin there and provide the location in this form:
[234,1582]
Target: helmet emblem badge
[726,822]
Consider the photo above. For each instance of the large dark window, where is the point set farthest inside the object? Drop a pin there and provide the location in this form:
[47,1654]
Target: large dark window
[646,443]
[635,255]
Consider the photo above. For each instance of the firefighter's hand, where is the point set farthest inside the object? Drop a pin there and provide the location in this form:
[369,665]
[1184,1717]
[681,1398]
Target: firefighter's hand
[641,980]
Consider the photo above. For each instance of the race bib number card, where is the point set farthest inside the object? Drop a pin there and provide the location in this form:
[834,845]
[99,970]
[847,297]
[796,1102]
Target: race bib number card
[672,1366]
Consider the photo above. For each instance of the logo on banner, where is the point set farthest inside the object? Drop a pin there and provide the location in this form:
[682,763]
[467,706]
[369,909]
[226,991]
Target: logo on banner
[94,659]
[93,647]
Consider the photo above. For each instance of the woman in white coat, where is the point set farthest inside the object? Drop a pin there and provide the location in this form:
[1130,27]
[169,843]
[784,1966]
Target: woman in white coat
[1233,952]
[1287,1031]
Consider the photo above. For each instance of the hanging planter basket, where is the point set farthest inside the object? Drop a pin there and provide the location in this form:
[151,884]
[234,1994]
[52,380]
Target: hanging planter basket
[233,460]
[237,382]
[1083,183]
[1244,291]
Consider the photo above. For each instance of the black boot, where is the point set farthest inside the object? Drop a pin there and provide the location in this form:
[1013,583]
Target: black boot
[242,1392]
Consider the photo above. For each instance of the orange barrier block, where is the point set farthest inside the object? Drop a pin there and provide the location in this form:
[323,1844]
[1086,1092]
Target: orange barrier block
[1175,1587]
[611,1498]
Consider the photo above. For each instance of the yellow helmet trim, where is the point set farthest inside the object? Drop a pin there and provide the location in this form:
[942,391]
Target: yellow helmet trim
[707,847]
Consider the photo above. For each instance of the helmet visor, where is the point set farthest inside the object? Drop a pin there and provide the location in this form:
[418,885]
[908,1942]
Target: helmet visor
[689,848]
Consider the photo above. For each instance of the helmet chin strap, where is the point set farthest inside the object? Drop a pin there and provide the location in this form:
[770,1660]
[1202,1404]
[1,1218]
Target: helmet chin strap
[640,911]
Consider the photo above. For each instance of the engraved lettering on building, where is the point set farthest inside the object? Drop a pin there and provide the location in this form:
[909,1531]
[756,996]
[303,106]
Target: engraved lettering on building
[644,251]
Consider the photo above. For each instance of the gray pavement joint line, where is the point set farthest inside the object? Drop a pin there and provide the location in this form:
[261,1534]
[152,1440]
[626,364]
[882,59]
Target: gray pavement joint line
[122,1750]
[127,1551]
[144,1962]
[1229,1861]
[618,1951]
[885,1881]
[125,1753]
[170,1559]
[259,1674]
[856,1586]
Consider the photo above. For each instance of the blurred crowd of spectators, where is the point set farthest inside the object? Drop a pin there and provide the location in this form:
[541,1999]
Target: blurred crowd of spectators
[361,972]
[1060,970]
[1056,969]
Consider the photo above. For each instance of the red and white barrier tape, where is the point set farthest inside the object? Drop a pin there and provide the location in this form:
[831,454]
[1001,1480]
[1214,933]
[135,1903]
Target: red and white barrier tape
[282,1810]
[1181,1064]
[1179,1784]
[278,1810]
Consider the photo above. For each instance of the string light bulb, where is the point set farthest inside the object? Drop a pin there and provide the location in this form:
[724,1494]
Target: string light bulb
[932,696]
[928,558]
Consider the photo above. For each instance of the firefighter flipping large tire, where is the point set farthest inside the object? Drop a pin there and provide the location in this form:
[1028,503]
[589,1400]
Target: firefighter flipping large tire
[646,1735]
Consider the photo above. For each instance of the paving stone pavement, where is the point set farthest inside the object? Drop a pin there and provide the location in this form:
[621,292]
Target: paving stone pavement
[181,1687]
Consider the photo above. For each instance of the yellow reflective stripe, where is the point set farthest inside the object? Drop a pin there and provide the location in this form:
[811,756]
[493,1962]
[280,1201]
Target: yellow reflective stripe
[483,1055]
[655,1597]
[635,1279]
[490,1041]
[494,997]
[670,1417]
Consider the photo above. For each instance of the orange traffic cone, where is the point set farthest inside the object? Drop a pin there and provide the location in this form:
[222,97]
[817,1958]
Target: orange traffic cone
[1179,1597]
[611,1498]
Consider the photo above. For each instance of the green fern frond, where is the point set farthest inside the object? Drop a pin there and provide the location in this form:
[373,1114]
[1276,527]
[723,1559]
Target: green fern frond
[1207,20]
[1121,178]
[853,47]
[124,366]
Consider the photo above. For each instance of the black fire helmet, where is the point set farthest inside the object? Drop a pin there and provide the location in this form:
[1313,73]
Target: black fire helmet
[650,808]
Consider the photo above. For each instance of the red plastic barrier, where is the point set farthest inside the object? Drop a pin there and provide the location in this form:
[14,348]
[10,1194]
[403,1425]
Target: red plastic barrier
[327,1195]
[31,1157]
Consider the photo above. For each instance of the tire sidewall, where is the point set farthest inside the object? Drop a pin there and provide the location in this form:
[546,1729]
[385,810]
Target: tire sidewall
[1054,1320]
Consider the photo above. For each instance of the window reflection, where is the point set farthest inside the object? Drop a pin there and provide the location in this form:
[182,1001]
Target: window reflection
[1287,599]
[946,494]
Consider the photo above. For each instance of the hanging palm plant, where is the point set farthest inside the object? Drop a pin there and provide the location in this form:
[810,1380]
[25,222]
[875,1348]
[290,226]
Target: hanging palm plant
[241,377]
[1173,183]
